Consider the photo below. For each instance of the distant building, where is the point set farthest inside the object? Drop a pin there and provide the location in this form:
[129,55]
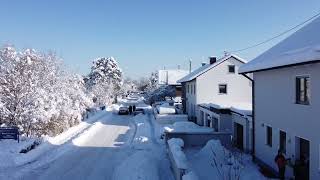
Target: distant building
[286,86]
[170,78]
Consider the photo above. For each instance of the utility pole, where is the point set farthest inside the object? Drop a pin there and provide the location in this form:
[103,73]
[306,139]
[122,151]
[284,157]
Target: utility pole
[190,65]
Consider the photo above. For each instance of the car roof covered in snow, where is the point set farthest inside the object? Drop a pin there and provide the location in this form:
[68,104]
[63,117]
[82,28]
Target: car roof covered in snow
[301,47]
[194,74]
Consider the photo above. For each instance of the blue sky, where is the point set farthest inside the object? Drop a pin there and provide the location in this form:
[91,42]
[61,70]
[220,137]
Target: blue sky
[146,35]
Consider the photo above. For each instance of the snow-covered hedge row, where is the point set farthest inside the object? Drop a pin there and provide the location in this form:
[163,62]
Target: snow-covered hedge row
[38,94]
[175,146]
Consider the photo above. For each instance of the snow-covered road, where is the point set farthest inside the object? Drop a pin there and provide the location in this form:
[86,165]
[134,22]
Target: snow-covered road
[113,147]
[94,155]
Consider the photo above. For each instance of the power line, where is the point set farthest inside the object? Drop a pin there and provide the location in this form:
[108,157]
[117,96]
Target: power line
[274,37]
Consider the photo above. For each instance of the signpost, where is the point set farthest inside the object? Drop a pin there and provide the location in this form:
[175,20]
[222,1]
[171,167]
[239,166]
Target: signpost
[9,133]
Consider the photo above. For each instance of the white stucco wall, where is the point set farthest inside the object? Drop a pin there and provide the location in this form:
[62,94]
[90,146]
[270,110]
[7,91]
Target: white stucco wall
[224,120]
[275,106]
[191,98]
[238,87]
[246,122]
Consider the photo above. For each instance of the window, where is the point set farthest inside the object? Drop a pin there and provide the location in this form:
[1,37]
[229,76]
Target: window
[231,69]
[303,90]
[283,143]
[188,89]
[194,89]
[269,136]
[191,89]
[222,89]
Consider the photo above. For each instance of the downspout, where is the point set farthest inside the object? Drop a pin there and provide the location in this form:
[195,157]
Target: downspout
[253,115]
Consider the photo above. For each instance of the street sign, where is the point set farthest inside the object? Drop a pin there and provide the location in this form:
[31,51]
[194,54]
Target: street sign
[9,133]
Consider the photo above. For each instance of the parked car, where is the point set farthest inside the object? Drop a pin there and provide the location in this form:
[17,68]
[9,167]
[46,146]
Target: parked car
[138,111]
[123,110]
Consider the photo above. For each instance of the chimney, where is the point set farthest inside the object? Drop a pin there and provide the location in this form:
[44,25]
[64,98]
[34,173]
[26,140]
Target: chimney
[203,64]
[212,59]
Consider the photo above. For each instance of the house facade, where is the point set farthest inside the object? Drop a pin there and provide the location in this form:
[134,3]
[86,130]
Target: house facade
[286,102]
[242,130]
[216,82]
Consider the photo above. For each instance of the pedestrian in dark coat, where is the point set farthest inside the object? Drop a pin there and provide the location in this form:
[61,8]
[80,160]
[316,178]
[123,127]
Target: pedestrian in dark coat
[134,108]
[130,110]
[280,160]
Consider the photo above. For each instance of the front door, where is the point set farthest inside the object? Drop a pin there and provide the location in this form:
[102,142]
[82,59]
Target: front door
[303,153]
[239,131]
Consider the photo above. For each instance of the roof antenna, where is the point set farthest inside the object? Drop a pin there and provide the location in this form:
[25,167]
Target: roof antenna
[190,65]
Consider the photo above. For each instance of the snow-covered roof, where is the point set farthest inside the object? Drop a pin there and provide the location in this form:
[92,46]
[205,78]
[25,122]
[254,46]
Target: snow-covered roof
[301,47]
[170,77]
[244,108]
[194,74]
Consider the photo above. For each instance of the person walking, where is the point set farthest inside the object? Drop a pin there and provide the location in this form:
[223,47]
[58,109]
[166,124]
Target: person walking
[280,160]
[134,108]
[130,109]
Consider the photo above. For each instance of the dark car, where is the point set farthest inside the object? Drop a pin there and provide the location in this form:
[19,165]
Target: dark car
[123,111]
[138,111]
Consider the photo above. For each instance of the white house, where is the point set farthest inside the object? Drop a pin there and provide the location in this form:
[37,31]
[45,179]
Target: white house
[287,100]
[215,83]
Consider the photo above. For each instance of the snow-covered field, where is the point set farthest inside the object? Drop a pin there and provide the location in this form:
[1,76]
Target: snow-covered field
[107,146]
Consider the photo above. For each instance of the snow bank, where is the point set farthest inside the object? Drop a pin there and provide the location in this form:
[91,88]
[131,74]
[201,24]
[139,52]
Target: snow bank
[171,118]
[175,147]
[185,127]
[47,147]
[190,176]
[213,161]
[166,109]
[139,166]
[11,148]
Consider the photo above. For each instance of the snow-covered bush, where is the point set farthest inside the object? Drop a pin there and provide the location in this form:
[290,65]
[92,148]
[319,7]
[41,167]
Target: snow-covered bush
[38,94]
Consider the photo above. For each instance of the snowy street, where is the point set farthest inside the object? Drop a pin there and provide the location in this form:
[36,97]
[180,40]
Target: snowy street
[111,148]
[94,158]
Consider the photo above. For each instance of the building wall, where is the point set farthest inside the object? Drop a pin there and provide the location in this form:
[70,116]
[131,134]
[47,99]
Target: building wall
[246,122]
[238,87]
[191,98]
[183,97]
[223,120]
[275,106]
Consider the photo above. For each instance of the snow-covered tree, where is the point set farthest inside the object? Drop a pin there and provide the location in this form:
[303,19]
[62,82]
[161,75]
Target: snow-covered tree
[38,94]
[104,80]
[154,92]
[153,82]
